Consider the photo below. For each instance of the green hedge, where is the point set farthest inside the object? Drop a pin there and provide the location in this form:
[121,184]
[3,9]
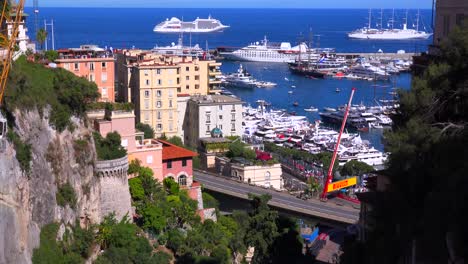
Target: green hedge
[110,106]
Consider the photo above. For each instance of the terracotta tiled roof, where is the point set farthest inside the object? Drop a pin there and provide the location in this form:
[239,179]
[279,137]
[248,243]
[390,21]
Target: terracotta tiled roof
[171,151]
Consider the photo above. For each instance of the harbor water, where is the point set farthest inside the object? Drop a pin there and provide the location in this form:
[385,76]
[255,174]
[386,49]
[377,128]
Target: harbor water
[126,28]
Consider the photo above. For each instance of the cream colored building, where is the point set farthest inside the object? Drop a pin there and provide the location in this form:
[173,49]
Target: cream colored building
[268,176]
[153,83]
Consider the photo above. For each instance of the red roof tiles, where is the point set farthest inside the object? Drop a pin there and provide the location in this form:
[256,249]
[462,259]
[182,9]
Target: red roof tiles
[171,151]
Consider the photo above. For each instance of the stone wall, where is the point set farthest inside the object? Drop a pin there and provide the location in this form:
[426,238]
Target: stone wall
[113,180]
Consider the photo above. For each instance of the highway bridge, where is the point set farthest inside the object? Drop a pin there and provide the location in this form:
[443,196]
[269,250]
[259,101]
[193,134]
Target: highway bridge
[326,210]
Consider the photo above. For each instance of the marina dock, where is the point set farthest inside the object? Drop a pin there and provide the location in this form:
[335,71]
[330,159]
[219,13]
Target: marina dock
[379,55]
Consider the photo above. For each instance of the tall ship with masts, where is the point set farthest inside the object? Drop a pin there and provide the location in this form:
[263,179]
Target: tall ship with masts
[392,33]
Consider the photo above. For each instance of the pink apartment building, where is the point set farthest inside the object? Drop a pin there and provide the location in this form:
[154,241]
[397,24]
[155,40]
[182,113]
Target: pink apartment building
[148,151]
[93,63]
[177,163]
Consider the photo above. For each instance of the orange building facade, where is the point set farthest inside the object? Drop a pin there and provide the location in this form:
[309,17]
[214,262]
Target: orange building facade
[93,63]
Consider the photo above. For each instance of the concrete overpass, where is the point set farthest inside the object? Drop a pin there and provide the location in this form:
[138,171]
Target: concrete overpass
[326,210]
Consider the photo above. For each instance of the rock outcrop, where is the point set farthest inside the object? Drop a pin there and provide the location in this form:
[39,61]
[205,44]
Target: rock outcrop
[28,199]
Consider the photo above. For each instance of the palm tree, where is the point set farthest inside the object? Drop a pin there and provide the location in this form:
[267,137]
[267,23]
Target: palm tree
[41,37]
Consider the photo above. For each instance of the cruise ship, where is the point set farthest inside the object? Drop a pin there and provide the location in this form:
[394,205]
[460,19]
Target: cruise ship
[264,51]
[390,34]
[199,25]
[179,49]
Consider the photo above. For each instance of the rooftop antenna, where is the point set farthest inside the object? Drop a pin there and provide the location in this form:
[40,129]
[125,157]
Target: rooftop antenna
[51,24]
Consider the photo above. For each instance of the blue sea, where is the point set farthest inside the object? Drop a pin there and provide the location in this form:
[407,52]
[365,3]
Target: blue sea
[126,28]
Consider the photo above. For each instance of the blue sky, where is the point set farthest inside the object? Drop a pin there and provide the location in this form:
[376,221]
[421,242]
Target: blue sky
[238,3]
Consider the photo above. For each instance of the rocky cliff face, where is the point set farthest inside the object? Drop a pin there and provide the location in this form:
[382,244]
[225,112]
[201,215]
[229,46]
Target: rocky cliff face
[28,200]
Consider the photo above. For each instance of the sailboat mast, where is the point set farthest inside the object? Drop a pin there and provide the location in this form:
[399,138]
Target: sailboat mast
[417,21]
[370,15]
[393,18]
[381,18]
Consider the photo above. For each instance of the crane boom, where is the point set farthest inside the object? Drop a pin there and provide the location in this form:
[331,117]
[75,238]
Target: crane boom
[335,152]
[10,44]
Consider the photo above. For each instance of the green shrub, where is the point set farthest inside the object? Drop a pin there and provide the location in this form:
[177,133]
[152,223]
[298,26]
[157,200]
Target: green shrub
[209,201]
[23,151]
[51,55]
[115,106]
[146,129]
[109,148]
[31,86]
[66,195]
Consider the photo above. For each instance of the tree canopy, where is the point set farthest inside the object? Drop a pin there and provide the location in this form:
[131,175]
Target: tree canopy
[424,208]
[146,129]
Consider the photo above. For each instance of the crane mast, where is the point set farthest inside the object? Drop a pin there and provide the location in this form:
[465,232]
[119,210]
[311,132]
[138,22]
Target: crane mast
[335,152]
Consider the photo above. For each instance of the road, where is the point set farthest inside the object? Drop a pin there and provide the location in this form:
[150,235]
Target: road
[328,210]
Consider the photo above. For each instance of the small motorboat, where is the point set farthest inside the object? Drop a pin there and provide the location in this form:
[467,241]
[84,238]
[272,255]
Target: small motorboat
[293,86]
[337,90]
[311,109]
[286,79]
[290,92]
[295,104]
[329,109]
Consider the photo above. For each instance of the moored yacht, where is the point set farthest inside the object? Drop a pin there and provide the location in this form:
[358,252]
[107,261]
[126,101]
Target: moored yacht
[199,25]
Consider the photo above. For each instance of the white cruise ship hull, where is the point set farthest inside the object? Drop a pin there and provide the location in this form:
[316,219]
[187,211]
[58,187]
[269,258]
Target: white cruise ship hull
[188,30]
[279,58]
[389,36]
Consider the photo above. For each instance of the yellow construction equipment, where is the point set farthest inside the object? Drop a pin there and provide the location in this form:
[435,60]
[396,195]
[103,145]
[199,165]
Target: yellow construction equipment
[12,13]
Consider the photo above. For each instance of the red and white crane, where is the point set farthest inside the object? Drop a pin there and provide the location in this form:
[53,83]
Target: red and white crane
[335,152]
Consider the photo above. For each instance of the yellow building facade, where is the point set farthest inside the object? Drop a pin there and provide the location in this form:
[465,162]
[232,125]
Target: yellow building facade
[154,82]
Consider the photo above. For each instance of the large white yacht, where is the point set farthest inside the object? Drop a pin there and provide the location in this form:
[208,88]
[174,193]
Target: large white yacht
[390,33]
[199,25]
[179,49]
[264,51]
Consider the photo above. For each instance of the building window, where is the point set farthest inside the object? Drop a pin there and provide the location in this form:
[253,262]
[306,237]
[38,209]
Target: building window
[208,129]
[171,93]
[147,94]
[149,159]
[446,28]
[158,71]
[171,126]
[170,103]
[233,108]
[197,68]
[220,107]
[233,117]
[208,118]
[104,65]
[66,66]
[197,86]
[159,127]
[104,77]
[91,66]
[158,104]
[146,104]
[169,164]
[179,90]
[459,19]
[182,180]
[187,86]
[178,71]
[77,66]
[147,82]
[159,115]
[197,77]
[178,80]
[170,82]
[187,78]
[220,117]
[171,115]
[187,68]
[158,93]
[91,77]
[146,73]
[146,117]
[159,82]
[267,176]
[104,92]
[184,163]
[220,127]
[233,127]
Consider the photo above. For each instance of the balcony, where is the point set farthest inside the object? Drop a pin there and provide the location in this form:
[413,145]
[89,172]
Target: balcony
[214,72]
[148,144]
